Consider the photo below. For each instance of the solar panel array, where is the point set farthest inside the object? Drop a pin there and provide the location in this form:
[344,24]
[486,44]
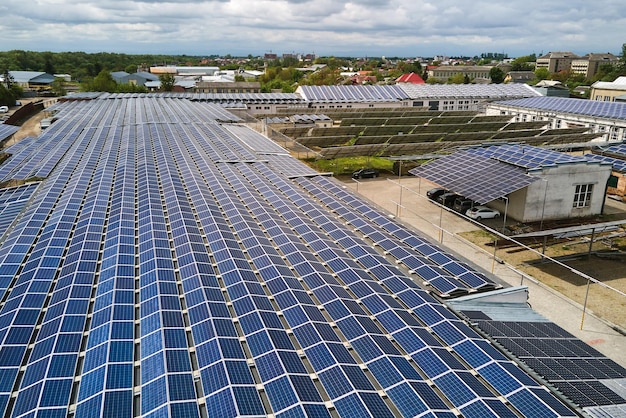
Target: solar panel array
[476,176]
[613,110]
[527,156]
[576,369]
[7,130]
[444,272]
[164,268]
[471,91]
[618,150]
[618,164]
[339,94]
[12,201]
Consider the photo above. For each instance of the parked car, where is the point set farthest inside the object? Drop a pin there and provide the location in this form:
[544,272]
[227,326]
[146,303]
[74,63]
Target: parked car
[462,204]
[365,173]
[4,109]
[482,212]
[433,194]
[447,199]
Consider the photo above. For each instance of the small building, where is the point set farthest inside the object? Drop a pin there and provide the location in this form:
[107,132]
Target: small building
[552,88]
[526,183]
[410,78]
[519,76]
[31,80]
[608,91]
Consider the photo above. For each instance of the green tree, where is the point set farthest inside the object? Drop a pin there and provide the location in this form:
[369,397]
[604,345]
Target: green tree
[102,82]
[457,79]
[58,86]
[497,75]
[621,66]
[525,63]
[167,81]
[542,74]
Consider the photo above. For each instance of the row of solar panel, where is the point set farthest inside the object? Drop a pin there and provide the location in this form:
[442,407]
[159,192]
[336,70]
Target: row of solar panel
[426,361]
[612,110]
[169,223]
[561,359]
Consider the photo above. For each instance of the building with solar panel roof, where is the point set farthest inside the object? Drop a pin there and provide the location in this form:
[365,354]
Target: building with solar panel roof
[171,262]
[526,183]
[605,118]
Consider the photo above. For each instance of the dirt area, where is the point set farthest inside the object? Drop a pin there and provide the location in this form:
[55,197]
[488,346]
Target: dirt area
[607,265]
[30,127]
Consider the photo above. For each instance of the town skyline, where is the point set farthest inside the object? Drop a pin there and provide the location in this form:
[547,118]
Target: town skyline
[358,28]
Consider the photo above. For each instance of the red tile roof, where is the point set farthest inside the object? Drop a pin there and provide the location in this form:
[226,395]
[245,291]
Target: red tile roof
[410,78]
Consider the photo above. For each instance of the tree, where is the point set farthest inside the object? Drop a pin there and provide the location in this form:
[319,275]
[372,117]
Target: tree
[58,86]
[167,81]
[542,74]
[497,75]
[621,65]
[457,79]
[9,90]
[525,63]
[102,82]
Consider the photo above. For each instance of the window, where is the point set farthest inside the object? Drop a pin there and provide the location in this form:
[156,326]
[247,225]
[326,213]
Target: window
[582,195]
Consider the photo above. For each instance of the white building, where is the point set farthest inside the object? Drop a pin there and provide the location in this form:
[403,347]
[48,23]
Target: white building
[607,119]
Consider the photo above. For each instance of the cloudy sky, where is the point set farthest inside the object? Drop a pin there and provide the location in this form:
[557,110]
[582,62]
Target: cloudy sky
[405,28]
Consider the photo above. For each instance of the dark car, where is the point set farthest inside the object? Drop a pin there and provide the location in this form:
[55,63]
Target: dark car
[365,173]
[462,204]
[447,199]
[433,194]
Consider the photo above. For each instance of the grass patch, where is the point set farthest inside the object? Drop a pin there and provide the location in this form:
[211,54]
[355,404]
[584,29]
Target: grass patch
[347,165]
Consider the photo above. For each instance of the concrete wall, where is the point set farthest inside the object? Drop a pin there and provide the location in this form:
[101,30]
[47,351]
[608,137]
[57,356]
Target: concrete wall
[559,188]
[552,197]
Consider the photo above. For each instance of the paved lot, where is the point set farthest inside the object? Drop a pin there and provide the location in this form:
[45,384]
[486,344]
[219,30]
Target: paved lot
[411,206]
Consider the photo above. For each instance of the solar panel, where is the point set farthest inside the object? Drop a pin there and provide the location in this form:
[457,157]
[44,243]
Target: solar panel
[477,177]
[613,110]
[163,266]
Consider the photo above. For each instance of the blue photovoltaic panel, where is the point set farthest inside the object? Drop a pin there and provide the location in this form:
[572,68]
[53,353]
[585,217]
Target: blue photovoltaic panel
[480,178]
[613,110]
[526,156]
[617,164]
[7,130]
[164,267]
[12,201]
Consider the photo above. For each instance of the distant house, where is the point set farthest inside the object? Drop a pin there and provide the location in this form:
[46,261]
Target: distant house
[519,76]
[363,77]
[142,77]
[185,71]
[410,78]
[609,91]
[474,72]
[552,88]
[32,80]
[138,79]
[120,77]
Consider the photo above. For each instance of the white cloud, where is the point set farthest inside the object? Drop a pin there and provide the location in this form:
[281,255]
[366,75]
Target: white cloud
[326,27]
